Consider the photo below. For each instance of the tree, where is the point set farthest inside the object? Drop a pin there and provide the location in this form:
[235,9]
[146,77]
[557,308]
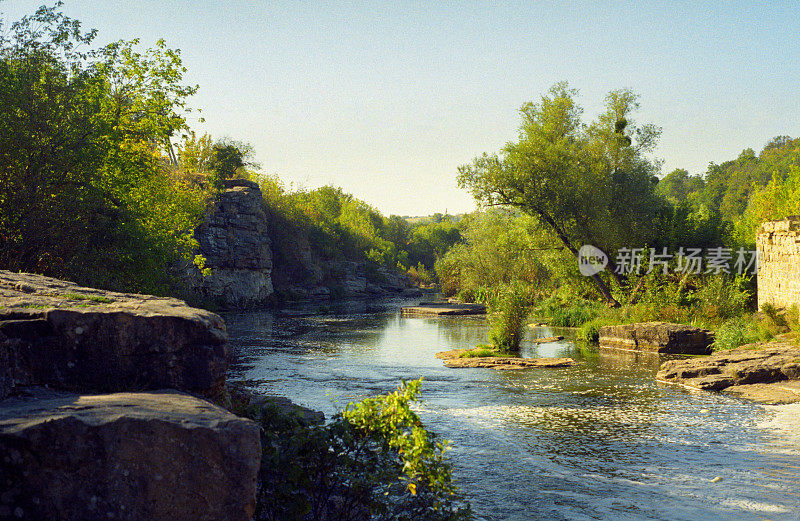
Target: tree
[588,184]
[86,191]
[228,157]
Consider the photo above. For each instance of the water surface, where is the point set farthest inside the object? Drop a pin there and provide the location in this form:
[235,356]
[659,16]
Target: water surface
[601,440]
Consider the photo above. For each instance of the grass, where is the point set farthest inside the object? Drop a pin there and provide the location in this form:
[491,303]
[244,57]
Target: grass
[93,298]
[483,352]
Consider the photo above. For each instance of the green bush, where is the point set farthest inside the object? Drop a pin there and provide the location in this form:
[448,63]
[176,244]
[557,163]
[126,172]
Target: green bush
[374,461]
[736,332]
[722,298]
[590,330]
[508,323]
[574,313]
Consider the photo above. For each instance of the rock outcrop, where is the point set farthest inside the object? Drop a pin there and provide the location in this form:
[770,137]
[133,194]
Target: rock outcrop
[659,337]
[59,334]
[234,239]
[767,373]
[159,455]
[444,308]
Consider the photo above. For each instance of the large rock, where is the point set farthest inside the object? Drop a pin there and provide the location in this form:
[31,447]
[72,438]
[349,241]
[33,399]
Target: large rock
[659,337]
[127,456]
[56,333]
[767,373]
[234,239]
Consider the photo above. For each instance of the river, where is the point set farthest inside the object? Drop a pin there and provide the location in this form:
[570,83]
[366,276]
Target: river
[601,440]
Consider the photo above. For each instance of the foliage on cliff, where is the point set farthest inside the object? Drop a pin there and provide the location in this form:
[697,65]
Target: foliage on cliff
[90,189]
[338,225]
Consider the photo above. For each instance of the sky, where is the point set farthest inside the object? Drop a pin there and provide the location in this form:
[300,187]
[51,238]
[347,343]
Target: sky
[387,99]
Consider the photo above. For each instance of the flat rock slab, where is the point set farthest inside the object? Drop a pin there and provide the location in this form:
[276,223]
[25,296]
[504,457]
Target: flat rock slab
[547,339]
[452,359]
[444,308]
[127,456]
[659,337]
[768,373]
[56,333]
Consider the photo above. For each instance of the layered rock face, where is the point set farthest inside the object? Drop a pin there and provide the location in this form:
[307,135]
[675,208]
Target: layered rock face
[160,455]
[778,245]
[56,333]
[767,373]
[659,337]
[234,239]
[129,455]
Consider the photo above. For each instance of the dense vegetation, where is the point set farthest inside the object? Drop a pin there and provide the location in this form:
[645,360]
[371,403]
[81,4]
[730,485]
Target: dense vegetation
[566,183]
[339,226]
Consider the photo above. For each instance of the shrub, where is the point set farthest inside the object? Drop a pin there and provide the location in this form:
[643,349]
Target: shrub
[349,468]
[590,330]
[508,325]
[722,298]
[736,332]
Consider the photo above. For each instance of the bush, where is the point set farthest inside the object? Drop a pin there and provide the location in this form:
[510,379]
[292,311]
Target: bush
[508,324]
[736,332]
[722,298]
[573,314]
[590,331]
[374,461]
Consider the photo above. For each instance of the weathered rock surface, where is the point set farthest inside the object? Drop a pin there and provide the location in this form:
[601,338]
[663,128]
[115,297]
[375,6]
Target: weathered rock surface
[767,373]
[234,239]
[444,308]
[453,359]
[660,337]
[263,405]
[548,339]
[56,333]
[127,456]
[778,245]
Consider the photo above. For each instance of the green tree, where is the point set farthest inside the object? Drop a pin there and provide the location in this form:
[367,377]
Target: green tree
[586,184]
[88,189]
[229,157]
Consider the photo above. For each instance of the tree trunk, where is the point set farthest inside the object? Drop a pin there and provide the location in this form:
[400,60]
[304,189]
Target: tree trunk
[601,284]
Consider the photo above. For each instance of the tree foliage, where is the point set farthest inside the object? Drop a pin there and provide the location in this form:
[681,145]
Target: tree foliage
[588,184]
[87,188]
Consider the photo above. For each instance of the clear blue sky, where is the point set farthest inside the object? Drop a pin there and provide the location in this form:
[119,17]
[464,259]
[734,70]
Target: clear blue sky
[387,99]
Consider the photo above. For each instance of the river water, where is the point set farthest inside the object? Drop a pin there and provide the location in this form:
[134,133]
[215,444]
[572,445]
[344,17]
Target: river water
[601,440]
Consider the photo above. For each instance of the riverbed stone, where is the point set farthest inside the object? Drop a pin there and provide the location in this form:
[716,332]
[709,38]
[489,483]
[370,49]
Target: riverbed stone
[453,359]
[59,334]
[659,337]
[161,455]
[767,373]
[444,308]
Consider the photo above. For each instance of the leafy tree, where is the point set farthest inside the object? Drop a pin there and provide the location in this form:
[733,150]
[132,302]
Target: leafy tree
[586,184]
[86,190]
[229,157]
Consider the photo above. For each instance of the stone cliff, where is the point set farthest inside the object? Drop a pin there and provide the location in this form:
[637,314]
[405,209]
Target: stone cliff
[253,258]
[234,239]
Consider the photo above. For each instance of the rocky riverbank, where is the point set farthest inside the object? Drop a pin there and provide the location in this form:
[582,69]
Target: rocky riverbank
[766,373]
[104,411]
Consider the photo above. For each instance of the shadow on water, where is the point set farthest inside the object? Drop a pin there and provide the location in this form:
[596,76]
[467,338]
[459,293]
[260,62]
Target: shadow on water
[600,440]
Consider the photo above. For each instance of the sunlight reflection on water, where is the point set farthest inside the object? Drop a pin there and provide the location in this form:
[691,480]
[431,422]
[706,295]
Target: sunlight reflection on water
[601,440]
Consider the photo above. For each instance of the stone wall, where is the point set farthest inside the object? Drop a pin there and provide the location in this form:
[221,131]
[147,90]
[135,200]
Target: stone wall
[778,244]
[234,239]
